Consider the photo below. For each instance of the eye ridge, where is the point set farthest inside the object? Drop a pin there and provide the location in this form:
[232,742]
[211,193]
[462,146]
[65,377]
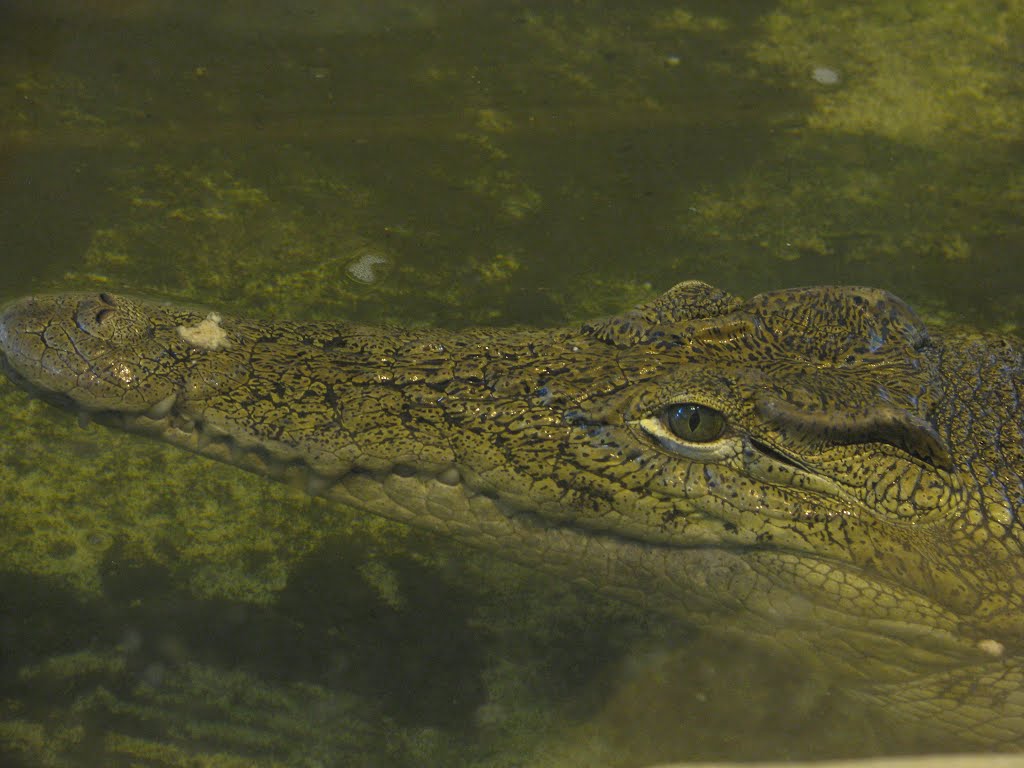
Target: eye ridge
[694,422]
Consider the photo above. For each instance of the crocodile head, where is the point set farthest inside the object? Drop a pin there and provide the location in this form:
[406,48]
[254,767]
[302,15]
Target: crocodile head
[807,457]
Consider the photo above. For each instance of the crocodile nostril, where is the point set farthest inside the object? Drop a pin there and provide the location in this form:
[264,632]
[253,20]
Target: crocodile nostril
[106,298]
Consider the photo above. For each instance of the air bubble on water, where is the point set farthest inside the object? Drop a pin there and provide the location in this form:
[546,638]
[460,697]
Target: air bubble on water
[826,76]
[368,267]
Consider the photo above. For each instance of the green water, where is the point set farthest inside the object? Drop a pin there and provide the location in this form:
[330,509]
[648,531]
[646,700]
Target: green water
[507,162]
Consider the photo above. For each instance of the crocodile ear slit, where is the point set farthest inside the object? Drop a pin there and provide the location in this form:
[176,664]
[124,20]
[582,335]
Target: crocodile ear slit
[879,424]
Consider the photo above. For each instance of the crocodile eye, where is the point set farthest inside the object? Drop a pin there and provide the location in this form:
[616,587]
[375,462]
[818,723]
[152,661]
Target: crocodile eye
[694,423]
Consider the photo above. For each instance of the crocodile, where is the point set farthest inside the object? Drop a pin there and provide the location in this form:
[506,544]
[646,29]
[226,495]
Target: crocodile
[813,466]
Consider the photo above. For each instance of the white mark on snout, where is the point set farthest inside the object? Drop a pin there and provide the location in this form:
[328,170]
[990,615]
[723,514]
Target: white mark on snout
[206,334]
[991,647]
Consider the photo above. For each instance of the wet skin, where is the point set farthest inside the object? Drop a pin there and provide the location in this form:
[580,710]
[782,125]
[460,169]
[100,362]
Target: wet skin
[810,466]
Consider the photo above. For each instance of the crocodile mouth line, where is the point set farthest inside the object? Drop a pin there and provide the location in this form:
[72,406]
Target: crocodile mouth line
[165,423]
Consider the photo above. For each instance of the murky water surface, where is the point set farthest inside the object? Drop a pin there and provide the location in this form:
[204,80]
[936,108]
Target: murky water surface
[447,164]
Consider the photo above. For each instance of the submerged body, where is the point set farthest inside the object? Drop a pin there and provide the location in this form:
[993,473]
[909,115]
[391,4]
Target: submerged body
[811,465]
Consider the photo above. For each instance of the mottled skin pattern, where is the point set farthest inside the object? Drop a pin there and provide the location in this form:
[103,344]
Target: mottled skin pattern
[849,488]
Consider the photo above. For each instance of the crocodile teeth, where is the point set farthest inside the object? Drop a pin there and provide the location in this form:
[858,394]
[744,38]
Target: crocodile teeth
[450,476]
[162,408]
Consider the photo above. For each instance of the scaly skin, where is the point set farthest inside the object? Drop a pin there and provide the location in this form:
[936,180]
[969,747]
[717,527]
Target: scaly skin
[848,487]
